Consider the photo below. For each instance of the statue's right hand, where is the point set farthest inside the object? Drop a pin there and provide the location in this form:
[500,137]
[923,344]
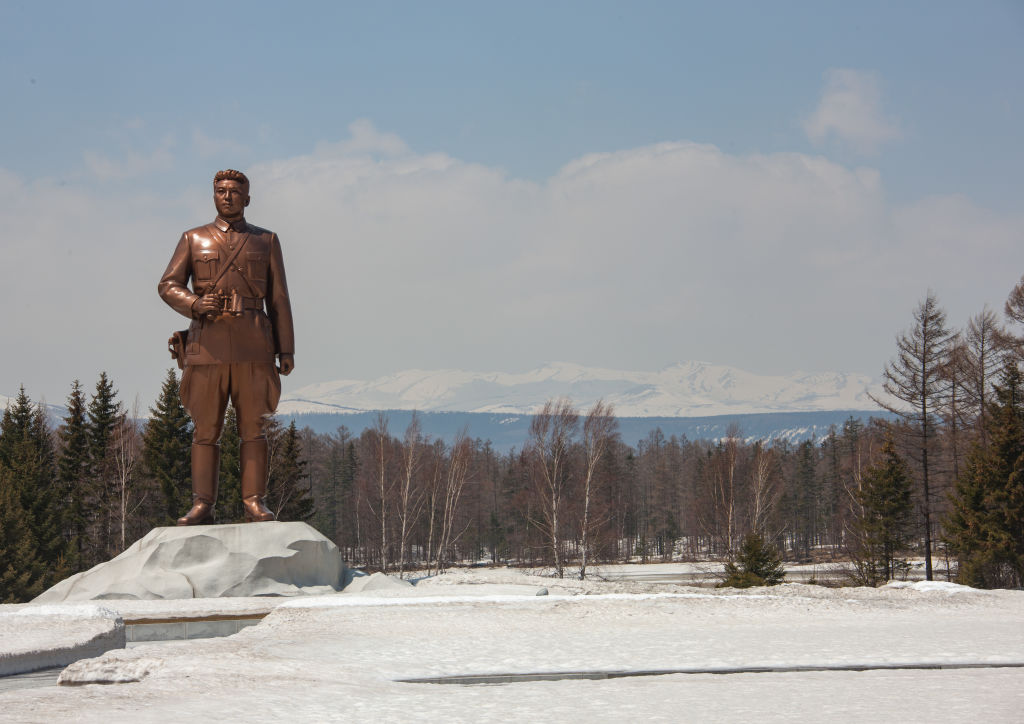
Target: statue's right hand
[208,305]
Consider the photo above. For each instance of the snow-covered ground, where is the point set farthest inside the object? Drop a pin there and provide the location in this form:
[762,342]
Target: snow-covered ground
[340,657]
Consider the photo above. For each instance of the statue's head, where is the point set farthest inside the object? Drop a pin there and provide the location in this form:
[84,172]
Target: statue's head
[230,193]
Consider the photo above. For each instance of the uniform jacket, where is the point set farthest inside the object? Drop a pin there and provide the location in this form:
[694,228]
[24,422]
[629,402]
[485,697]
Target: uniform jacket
[257,273]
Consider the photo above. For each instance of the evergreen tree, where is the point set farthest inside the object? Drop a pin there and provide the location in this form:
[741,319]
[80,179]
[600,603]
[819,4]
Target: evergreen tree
[985,528]
[289,495]
[73,473]
[882,528]
[28,460]
[340,474]
[104,412]
[46,507]
[349,469]
[167,450]
[758,564]
[802,496]
[20,568]
[229,499]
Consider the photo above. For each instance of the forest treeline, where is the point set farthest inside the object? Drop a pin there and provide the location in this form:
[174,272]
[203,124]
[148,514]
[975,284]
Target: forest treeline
[944,480]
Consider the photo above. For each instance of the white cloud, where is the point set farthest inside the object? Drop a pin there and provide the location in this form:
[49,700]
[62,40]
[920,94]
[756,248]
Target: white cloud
[207,146]
[850,109]
[131,164]
[633,260]
[364,139]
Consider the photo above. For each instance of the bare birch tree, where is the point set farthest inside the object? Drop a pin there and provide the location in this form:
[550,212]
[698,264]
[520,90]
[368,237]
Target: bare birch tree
[725,462]
[411,491]
[765,490]
[599,433]
[454,481]
[126,448]
[551,435]
[380,505]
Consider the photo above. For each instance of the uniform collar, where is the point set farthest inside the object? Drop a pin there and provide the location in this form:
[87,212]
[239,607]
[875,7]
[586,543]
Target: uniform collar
[224,224]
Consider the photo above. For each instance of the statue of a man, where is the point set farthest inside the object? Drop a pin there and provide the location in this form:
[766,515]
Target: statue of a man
[241,321]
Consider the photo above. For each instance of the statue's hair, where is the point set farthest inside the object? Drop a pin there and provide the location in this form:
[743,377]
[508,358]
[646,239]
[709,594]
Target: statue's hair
[230,174]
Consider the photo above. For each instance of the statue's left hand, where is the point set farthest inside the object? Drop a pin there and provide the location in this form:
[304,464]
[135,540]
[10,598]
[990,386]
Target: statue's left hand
[286,363]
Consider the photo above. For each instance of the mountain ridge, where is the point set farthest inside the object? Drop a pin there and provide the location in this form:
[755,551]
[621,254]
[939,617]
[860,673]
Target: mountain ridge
[686,389]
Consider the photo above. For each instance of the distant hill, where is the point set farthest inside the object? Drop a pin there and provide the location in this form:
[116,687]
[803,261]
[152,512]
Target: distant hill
[695,399]
[689,389]
[510,431]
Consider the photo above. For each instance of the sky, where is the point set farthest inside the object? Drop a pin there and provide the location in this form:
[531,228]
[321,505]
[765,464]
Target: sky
[493,186]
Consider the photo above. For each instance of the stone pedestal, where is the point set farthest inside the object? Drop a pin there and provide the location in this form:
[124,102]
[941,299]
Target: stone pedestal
[211,561]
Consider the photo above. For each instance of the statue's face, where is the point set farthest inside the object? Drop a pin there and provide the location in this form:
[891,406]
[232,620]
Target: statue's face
[230,198]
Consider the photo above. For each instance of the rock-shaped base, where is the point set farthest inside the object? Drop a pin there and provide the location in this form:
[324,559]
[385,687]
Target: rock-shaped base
[211,561]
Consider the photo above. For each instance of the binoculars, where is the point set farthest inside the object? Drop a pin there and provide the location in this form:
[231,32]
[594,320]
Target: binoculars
[231,303]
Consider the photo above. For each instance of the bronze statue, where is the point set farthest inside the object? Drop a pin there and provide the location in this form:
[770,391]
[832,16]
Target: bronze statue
[230,348]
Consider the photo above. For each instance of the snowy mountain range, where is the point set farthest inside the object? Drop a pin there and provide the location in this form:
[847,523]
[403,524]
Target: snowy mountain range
[693,399]
[689,389]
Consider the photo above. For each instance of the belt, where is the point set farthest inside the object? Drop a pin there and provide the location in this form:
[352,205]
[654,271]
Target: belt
[247,302]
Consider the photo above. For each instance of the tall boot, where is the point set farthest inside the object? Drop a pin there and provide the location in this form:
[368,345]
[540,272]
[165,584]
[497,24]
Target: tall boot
[205,474]
[253,458]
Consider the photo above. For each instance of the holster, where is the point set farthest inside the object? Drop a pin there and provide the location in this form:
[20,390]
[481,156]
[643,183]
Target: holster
[176,346]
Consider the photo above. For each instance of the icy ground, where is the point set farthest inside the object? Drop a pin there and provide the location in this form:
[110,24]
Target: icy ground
[339,657]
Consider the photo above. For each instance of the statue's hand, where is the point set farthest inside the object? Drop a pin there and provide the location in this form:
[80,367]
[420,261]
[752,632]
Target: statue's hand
[287,363]
[208,305]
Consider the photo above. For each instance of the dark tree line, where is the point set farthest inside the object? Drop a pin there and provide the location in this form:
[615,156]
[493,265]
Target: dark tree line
[79,494]
[944,479]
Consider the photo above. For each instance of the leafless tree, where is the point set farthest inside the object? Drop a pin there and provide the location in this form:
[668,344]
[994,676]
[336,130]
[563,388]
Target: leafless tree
[126,449]
[917,391]
[985,348]
[765,490]
[383,484]
[599,433]
[452,483]
[722,470]
[550,440]
[411,492]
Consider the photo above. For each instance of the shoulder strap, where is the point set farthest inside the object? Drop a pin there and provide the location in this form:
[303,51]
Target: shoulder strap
[227,265]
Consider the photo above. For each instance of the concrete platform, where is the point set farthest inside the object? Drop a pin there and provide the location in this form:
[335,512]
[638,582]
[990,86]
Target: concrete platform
[40,637]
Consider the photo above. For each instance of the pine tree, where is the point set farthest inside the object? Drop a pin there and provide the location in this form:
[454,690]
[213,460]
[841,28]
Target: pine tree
[20,568]
[349,469]
[289,495]
[46,509]
[28,459]
[802,496]
[882,528]
[340,474]
[985,528]
[167,449]
[73,473]
[104,413]
[757,564]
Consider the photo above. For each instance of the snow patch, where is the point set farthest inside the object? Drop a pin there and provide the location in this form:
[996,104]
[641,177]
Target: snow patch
[929,586]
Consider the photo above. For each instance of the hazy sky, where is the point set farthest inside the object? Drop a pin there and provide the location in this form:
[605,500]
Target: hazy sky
[496,185]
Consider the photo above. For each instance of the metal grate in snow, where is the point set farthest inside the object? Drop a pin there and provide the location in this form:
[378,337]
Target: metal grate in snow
[471,679]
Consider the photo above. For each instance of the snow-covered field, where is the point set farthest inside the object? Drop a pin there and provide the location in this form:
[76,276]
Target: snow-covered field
[341,657]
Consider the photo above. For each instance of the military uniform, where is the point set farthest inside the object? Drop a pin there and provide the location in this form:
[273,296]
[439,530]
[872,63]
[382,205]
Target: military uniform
[231,355]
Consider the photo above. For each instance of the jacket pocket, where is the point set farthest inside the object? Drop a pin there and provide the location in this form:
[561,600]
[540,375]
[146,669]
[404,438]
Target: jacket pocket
[257,265]
[204,264]
[267,330]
